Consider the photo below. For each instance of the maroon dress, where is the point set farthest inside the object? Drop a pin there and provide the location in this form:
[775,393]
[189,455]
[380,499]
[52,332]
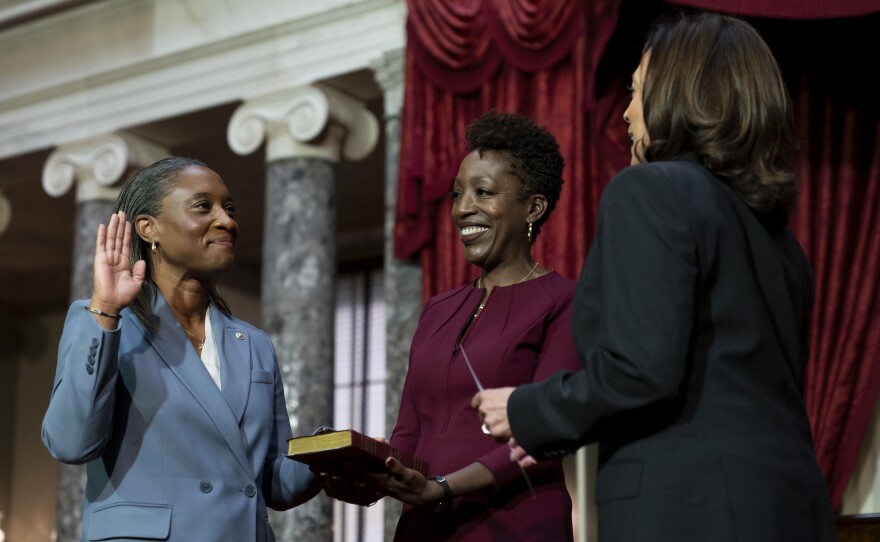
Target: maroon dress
[522,335]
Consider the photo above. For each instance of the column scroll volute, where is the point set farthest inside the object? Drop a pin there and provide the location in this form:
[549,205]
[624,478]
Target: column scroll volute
[97,164]
[307,121]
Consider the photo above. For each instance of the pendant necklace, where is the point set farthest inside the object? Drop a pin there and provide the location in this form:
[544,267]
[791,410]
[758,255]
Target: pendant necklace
[200,341]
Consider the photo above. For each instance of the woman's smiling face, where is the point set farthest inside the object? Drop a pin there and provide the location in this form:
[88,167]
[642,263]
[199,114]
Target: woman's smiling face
[492,220]
[196,231]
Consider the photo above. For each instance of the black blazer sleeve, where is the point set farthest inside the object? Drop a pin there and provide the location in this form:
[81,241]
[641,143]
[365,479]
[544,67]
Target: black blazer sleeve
[641,276]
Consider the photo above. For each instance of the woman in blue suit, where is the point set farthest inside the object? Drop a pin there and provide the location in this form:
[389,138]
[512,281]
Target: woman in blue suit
[176,407]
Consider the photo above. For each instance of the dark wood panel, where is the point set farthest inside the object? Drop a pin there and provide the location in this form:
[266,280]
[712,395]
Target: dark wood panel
[862,528]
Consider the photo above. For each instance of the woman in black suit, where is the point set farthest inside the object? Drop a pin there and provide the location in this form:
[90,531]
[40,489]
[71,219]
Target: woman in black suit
[691,315]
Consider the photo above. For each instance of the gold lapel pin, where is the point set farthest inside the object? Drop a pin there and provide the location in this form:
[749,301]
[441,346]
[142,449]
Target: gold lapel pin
[239,336]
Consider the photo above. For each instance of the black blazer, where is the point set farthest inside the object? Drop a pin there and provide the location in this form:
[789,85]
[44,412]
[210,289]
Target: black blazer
[691,317]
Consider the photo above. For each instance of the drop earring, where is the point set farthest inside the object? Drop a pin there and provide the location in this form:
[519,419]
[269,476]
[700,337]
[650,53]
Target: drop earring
[530,233]
[153,248]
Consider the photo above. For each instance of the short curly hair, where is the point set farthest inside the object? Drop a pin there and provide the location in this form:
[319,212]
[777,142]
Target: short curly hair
[532,154]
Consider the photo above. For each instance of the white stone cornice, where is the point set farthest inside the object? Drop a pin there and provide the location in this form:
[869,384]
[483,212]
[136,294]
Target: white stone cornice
[96,164]
[100,69]
[307,121]
[5,214]
[388,70]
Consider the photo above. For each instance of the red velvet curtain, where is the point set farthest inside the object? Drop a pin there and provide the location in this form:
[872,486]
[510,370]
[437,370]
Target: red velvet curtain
[464,57]
[838,223]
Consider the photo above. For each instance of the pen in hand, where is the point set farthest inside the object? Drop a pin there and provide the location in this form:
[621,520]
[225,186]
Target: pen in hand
[486,429]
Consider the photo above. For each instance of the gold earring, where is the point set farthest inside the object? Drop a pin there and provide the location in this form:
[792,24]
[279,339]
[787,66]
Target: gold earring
[153,248]
[530,233]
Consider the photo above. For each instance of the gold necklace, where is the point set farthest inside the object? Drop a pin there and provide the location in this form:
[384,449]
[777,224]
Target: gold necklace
[532,270]
[201,341]
[480,285]
[529,274]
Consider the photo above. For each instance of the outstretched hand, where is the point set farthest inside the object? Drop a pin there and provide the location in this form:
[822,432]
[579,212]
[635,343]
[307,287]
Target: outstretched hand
[116,283]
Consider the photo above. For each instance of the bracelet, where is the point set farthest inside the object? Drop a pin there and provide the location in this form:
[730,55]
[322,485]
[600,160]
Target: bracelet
[447,493]
[102,313]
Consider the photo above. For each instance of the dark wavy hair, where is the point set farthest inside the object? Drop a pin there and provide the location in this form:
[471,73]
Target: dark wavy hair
[713,89]
[143,195]
[532,154]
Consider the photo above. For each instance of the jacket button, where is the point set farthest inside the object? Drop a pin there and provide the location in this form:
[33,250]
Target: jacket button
[250,490]
[205,486]
[93,350]
[94,342]
[89,369]
[91,360]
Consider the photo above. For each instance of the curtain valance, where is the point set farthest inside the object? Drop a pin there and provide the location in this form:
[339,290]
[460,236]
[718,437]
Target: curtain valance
[459,45]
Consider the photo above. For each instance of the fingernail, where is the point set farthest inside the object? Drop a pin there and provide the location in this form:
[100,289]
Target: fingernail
[391,462]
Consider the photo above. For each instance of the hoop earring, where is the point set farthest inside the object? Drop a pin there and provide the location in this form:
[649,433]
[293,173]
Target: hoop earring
[530,233]
[153,248]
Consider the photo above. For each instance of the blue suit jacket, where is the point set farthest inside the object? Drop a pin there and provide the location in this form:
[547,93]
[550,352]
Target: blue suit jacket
[169,456]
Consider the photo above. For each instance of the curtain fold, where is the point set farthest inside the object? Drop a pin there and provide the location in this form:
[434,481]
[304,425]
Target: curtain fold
[459,45]
[838,223]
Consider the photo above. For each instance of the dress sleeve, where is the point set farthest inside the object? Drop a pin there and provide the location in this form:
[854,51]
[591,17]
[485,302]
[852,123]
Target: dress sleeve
[640,283]
[78,422]
[405,435]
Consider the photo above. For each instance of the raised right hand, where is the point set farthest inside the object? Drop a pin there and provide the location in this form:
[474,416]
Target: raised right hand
[116,283]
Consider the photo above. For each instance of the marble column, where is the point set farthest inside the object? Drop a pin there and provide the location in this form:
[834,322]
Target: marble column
[307,131]
[95,165]
[403,278]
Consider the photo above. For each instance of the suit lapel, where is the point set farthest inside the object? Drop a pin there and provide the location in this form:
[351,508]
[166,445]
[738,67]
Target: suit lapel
[234,351]
[172,345]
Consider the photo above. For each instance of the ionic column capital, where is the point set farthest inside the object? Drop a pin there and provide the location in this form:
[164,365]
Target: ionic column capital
[307,121]
[96,164]
[388,70]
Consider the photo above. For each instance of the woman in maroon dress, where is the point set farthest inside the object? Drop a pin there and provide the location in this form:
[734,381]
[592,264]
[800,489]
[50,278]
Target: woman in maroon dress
[513,325]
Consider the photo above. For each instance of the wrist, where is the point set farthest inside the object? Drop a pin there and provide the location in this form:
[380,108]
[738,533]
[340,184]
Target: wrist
[442,493]
[110,308]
